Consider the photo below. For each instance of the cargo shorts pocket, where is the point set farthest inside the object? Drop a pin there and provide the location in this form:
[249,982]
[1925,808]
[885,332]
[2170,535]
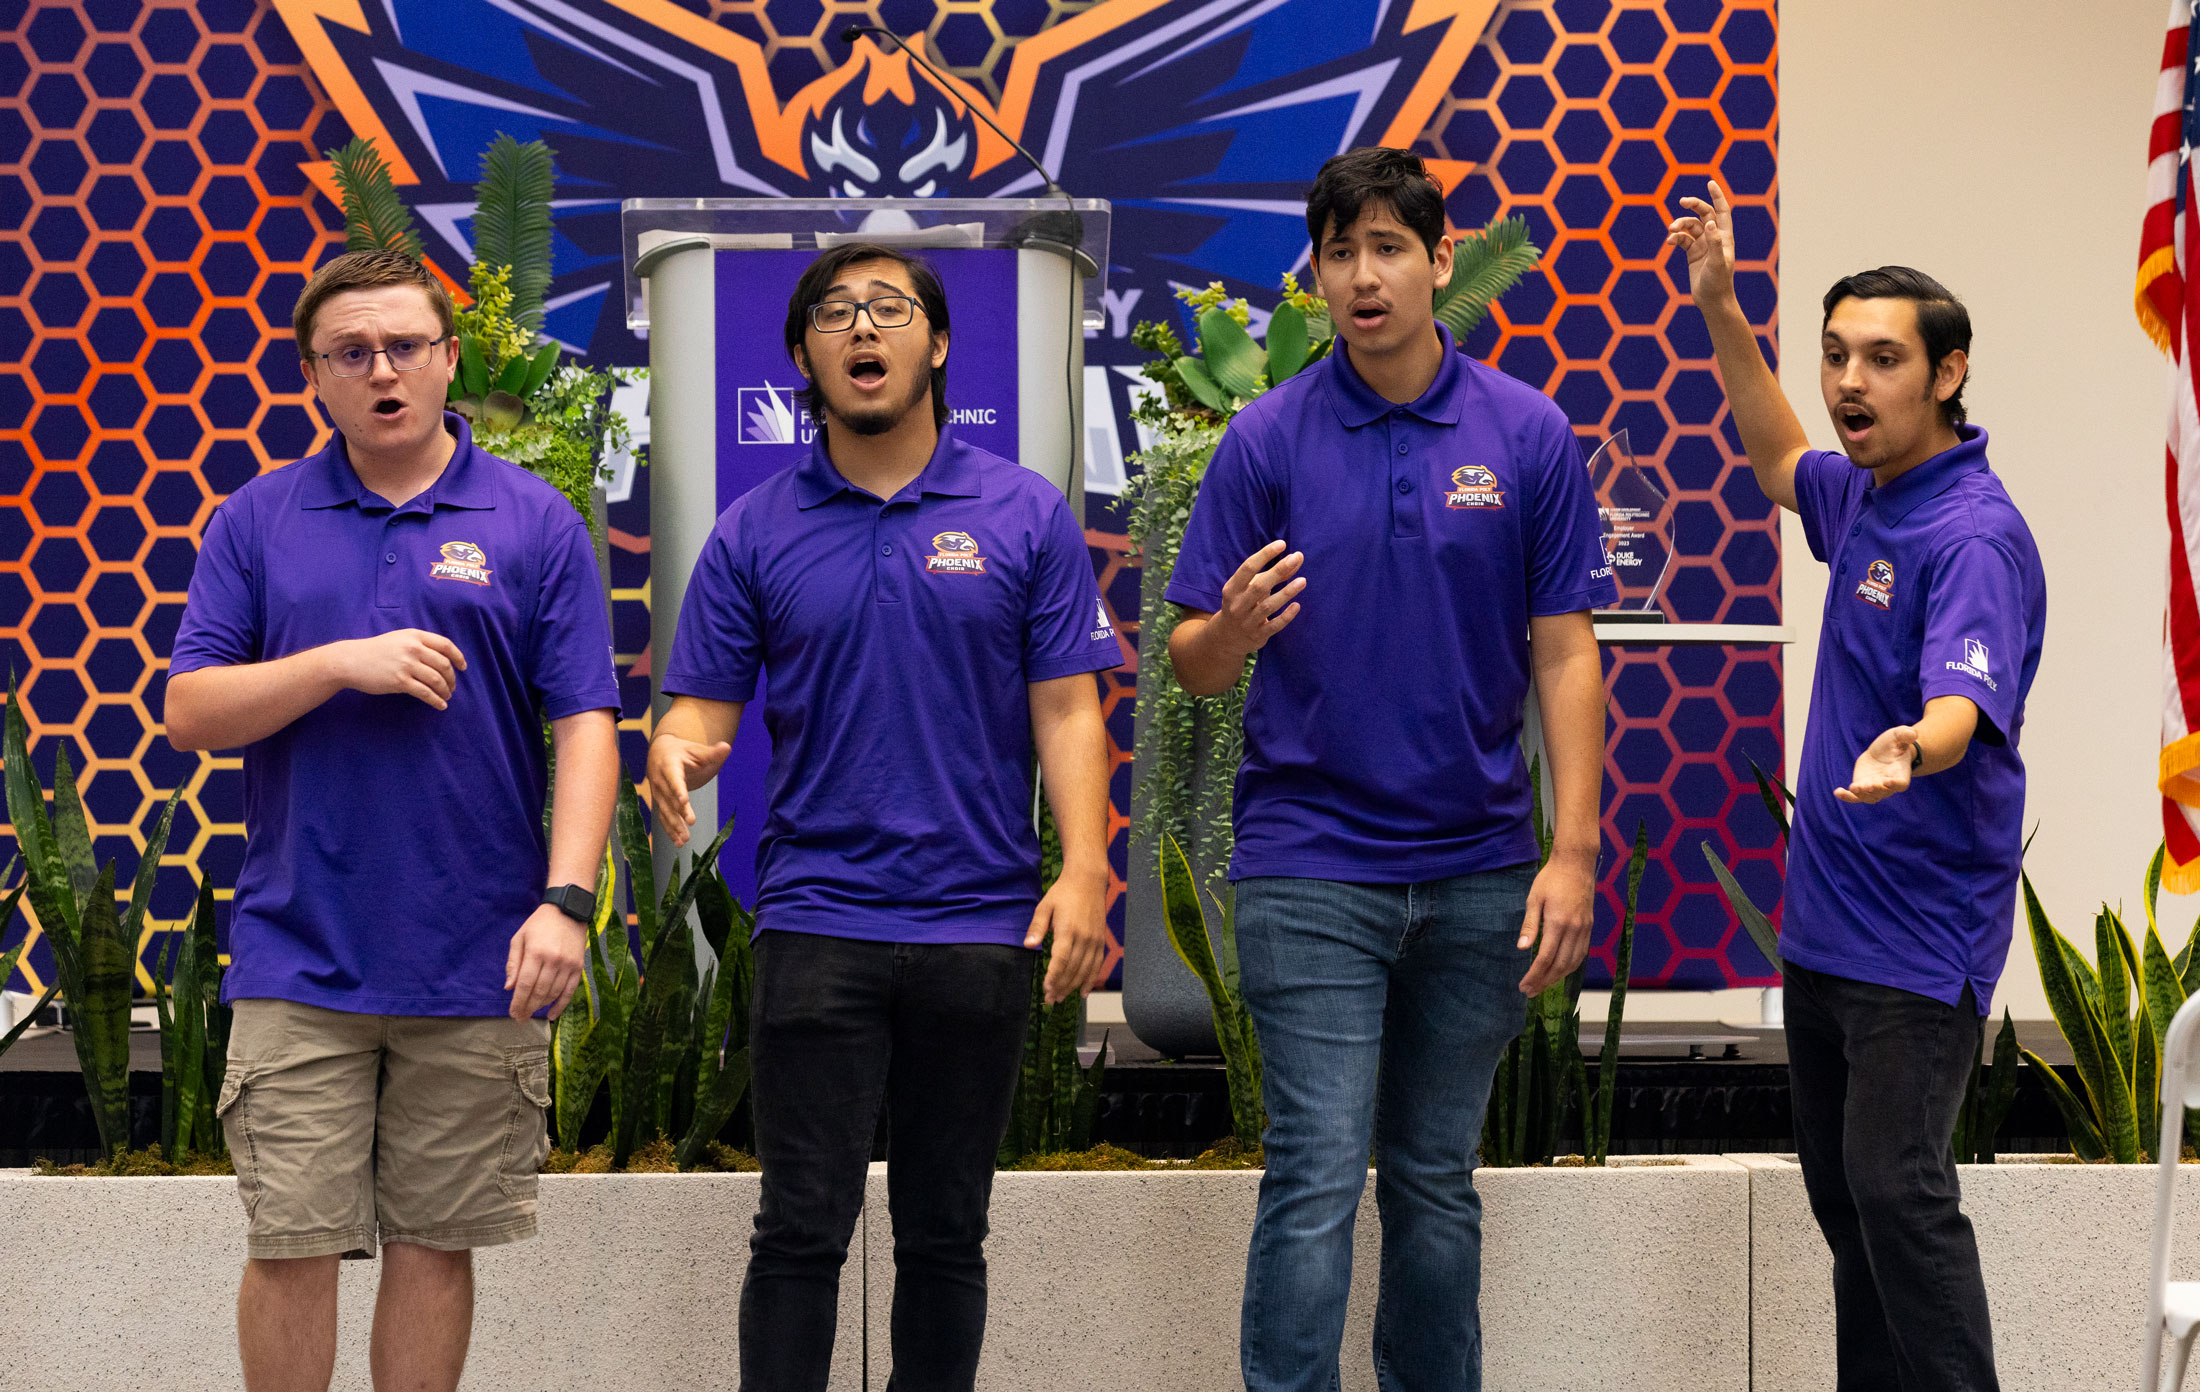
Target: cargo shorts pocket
[236,1124]
[526,1132]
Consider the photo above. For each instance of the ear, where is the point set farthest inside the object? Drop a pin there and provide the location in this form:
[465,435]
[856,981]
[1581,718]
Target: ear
[1443,259]
[307,369]
[1948,377]
[450,357]
[939,350]
[802,363]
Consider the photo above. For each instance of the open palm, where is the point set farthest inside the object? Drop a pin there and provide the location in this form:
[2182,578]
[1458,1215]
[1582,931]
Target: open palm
[1706,234]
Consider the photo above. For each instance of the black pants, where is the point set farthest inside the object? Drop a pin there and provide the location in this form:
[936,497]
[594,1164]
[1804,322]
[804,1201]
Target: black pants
[839,1027]
[1878,1077]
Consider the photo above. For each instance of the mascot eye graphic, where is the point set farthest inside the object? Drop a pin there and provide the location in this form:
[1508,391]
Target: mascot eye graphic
[1473,476]
[464,553]
[1882,575]
[954,543]
[1201,120]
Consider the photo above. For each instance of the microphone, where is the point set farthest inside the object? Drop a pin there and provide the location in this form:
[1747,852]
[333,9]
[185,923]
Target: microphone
[852,32]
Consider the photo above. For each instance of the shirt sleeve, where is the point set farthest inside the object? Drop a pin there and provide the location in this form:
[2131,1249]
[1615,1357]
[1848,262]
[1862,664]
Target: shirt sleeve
[718,645]
[1066,626]
[1234,516]
[570,662]
[1826,488]
[1567,567]
[221,625]
[1975,635]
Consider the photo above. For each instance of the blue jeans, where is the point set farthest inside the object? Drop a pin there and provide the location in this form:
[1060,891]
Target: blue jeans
[1382,1011]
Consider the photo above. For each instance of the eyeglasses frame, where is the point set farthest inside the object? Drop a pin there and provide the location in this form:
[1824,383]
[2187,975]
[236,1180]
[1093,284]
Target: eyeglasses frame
[380,353]
[863,307]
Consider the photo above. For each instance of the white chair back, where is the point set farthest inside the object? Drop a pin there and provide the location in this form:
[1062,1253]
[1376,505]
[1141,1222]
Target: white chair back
[2180,1090]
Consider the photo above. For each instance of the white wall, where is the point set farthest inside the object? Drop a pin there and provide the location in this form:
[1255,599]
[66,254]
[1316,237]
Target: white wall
[2001,147]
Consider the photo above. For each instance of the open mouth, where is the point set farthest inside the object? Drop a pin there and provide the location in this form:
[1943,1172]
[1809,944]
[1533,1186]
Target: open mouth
[1853,419]
[866,370]
[1368,313]
[388,406]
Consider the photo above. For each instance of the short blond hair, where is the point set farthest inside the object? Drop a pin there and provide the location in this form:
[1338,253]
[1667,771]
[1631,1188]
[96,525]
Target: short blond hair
[366,270]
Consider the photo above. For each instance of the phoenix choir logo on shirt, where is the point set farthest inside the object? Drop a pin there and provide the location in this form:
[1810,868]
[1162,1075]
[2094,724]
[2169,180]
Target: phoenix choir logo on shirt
[954,553]
[1974,663]
[462,560]
[1474,487]
[1877,587]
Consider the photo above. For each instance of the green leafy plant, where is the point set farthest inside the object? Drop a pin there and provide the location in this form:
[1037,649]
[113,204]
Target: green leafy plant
[375,218]
[1056,1097]
[2113,1012]
[94,946]
[1484,265]
[13,955]
[1541,1082]
[194,1036]
[1212,957]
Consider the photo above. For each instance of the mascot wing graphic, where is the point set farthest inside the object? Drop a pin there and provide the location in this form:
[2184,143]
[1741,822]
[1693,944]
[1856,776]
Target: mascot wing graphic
[1201,120]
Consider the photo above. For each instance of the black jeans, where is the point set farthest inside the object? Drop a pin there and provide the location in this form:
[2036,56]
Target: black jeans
[839,1027]
[1878,1077]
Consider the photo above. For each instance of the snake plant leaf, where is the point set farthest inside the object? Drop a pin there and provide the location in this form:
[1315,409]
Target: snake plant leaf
[1186,924]
[1484,266]
[7,1041]
[2001,1090]
[2085,1138]
[2158,979]
[2079,1018]
[1232,358]
[72,830]
[2110,947]
[1183,919]
[1196,379]
[1759,927]
[1288,344]
[641,864]
[2146,1084]
[148,869]
[375,218]
[44,869]
[540,367]
[715,1110]
[100,1010]
[667,976]
[1777,803]
[473,369]
[1597,1127]
[511,224]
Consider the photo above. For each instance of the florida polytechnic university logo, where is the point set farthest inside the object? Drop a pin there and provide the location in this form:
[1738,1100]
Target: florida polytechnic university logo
[462,560]
[1877,586]
[1974,663]
[772,416]
[954,553]
[1473,486]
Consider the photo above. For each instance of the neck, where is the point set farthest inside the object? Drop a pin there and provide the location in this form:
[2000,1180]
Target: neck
[883,464]
[1403,373]
[1939,442]
[400,477]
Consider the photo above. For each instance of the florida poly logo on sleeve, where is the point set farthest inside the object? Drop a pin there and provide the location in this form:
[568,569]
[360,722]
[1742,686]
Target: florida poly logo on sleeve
[1974,663]
[1877,586]
[954,553]
[1103,626]
[1473,486]
[462,560]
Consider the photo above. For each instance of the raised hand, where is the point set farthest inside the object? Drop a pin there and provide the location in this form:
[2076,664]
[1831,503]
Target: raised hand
[676,765]
[1261,599]
[405,662]
[1706,233]
[1884,769]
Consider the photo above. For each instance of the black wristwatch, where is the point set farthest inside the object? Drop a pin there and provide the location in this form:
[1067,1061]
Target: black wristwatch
[574,902]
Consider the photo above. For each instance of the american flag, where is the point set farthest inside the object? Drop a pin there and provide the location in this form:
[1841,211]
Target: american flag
[2168,302]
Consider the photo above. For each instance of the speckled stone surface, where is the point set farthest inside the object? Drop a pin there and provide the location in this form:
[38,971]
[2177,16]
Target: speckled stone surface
[2064,1248]
[1633,1278]
[633,1284]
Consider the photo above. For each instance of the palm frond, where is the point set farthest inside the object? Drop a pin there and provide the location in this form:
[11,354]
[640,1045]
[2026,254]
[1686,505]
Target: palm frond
[512,220]
[1483,267]
[375,218]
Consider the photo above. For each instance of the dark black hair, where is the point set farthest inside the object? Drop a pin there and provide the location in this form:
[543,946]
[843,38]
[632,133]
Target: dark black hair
[1942,321]
[1375,174]
[820,276]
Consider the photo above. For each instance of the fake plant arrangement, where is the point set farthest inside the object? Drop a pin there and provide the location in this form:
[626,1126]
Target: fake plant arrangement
[527,404]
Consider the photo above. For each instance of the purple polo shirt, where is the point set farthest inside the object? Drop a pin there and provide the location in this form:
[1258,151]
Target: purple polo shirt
[1382,730]
[1936,590]
[896,642]
[391,849]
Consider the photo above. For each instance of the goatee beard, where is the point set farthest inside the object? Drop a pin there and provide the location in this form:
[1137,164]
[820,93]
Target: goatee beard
[877,420]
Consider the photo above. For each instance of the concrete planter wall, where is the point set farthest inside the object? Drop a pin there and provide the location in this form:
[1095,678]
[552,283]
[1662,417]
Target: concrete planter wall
[2064,1249]
[1633,1277]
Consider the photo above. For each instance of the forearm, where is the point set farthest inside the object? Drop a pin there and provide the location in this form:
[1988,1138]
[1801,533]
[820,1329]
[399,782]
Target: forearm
[583,795]
[1944,735]
[1073,769]
[703,722]
[1205,662]
[1570,700]
[1771,434]
[229,707]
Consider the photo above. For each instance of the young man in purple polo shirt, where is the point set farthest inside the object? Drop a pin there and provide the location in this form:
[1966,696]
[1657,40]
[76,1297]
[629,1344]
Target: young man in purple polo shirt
[924,615]
[383,628]
[1904,854]
[1389,530]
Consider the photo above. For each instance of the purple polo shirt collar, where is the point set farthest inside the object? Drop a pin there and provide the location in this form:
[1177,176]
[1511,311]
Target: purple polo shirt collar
[464,482]
[1897,500]
[949,473]
[1358,404]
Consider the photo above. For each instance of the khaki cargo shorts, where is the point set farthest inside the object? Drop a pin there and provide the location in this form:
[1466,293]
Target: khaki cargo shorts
[349,1128]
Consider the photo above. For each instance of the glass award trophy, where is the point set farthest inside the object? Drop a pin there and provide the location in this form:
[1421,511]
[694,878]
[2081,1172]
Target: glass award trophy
[1637,524]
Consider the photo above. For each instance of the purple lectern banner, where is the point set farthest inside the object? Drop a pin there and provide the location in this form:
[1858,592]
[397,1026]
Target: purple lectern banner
[763,429]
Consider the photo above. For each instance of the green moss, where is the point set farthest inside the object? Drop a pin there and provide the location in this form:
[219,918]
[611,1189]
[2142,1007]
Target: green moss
[138,1164]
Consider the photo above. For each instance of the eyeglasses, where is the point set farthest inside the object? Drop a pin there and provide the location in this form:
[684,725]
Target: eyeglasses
[405,355]
[839,316]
